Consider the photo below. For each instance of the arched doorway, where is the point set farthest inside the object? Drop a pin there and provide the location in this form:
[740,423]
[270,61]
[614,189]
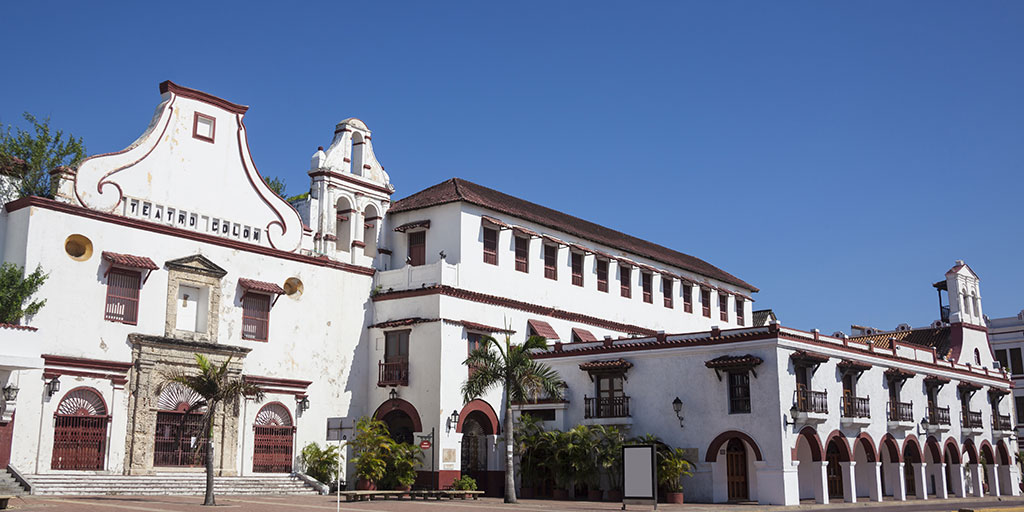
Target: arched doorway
[273,440]
[912,461]
[833,471]
[954,468]
[936,477]
[988,461]
[889,456]
[80,431]
[475,447]
[865,474]
[400,426]
[180,433]
[810,453]
[736,471]
[731,455]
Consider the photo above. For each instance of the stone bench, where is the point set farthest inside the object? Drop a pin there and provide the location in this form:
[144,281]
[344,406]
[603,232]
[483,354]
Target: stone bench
[436,494]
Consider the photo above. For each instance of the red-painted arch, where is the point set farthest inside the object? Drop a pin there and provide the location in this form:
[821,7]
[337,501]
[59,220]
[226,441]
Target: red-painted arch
[911,443]
[932,446]
[483,407]
[712,454]
[889,442]
[868,444]
[845,455]
[811,435]
[987,452]
[1002,453]
[400,405]
[971,450]
[954,451]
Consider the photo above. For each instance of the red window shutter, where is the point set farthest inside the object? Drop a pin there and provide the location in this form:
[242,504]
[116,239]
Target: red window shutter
[550,261]
[705,302]
[687,298]
[122,296]
[577,268]
[417,248]
[625,287]
[602,275]
[666,288]
[739,310]
[723,307]
[491,246]
[522,254]
[645,284]
[255,316]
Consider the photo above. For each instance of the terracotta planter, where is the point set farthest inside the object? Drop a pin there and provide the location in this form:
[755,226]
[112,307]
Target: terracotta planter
[403,488]
[615,495]
[673,497]
[527,493]
[365,485]
[594,494]
[560,494]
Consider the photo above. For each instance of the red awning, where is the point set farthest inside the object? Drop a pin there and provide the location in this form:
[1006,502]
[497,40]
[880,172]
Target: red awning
[130,260]
[556,241]
[614,364]
[542,328]
[523,231]
[583,334]
[425,224]
[260,286]
[496,222]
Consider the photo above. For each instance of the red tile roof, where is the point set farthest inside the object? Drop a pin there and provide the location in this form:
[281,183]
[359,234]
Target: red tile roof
[402,322]
[130,260]
[734,362]
[583,334]
[857,366]
[899,373]
[260,286]
[413,225]
[614,364]
[928,337]
[496,222]
[457,189]
[18,327]
[473,326]
[805,356]
[542,328]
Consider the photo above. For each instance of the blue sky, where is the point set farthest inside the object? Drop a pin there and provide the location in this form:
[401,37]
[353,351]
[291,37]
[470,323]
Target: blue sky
[840,156]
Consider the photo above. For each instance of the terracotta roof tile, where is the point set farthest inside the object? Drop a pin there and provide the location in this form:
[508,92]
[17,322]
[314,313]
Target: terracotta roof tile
[413,225]
[850,364]
[524,231]
[260,286]
[899,373]
[542,328]
[18,327]
[583,334]
[457,189]
[402,322]
[734,361]
[130,260]
[928,337]
[764,317]
[480,327]
[613,364]
[496,222]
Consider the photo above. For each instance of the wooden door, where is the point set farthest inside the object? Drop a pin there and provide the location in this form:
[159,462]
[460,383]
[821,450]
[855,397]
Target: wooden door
[80,431]
[833,471]
[417,248]
[802,383]
[736,471]
[908,477]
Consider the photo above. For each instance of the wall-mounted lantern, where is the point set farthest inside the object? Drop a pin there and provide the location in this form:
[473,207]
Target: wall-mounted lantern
[53,386]
[677,406]
[302,402]
[11,393]
[453,421]
[393,394]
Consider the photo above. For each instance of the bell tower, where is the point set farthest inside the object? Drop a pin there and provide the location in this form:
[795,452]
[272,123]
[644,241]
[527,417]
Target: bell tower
[968,335]
[349,194]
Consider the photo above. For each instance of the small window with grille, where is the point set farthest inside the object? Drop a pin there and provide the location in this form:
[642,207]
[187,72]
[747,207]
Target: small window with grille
[123,296]
[255,316]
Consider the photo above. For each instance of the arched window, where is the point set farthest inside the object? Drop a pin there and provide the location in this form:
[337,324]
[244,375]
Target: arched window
[344,216]
[977,357]
[272,446]
[967,304]
[370,221]
[977,303]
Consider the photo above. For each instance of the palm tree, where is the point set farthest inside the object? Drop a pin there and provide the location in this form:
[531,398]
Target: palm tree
[215,386]
[521,378]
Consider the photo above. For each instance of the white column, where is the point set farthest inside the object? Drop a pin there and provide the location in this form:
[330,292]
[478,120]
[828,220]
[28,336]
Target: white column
[993,480]
[875,493]
[849,481]
[899,491]
[719,483]
[976,480]
[940,481]
[921,480]
[790,482]
[1013,480]
[956,473]
[820,482]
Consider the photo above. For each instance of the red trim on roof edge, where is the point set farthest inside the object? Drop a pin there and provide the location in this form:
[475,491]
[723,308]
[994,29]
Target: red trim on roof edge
[205,97]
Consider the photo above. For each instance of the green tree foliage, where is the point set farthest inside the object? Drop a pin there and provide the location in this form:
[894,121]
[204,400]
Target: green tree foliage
[320,463]
[371,448]
[216,387]
[521,378]
[33,153]
[276,184]
[16,289]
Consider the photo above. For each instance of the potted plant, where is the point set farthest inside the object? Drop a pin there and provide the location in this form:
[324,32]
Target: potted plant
[608,452]
[672,466]
[528,447]
[558,462]
[372,447]
[400,472]
[321,463]
[464,483]
[581,447]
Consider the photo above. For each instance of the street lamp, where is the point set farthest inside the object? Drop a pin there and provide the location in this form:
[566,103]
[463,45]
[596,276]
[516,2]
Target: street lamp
[677,406]
[53,386]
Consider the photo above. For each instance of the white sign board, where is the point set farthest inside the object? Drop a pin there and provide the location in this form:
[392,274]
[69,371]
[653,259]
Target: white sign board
[640,475]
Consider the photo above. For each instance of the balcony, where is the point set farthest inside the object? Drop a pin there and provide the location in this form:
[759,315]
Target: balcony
[901,415]
[938,418]
[1001,423]
[856,411]
[811,406]
[412,277]
[393,373]
[971,420]
[605,407]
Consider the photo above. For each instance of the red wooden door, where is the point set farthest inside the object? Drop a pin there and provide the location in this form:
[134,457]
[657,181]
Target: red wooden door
[274,438]
[736,470]
[80,431]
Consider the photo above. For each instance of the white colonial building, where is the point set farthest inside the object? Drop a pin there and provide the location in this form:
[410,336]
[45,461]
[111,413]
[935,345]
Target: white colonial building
[344,304]
[1007,338]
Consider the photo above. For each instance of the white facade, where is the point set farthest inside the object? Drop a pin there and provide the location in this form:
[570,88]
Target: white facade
[1007,338]
[374,305]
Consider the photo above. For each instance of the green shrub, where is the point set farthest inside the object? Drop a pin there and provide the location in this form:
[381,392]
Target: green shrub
[321,464]
[464,483]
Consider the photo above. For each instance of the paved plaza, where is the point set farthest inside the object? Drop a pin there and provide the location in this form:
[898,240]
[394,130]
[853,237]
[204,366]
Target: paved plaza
[325,503]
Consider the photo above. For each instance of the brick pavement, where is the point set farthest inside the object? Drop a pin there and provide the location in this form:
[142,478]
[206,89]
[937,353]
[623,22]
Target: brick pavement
[327,503]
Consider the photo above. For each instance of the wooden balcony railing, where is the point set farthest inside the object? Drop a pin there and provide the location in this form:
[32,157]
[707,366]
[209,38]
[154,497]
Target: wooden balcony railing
[811,401]
[972,419]
[606,407]
[1001,422]
[393,373]
[901,411]
[938,415]
[856,407]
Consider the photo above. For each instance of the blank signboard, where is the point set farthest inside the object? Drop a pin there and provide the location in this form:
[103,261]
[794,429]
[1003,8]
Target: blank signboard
[638,473]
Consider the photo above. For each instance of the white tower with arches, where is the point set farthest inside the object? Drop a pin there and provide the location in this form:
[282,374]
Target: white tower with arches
[349,194]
